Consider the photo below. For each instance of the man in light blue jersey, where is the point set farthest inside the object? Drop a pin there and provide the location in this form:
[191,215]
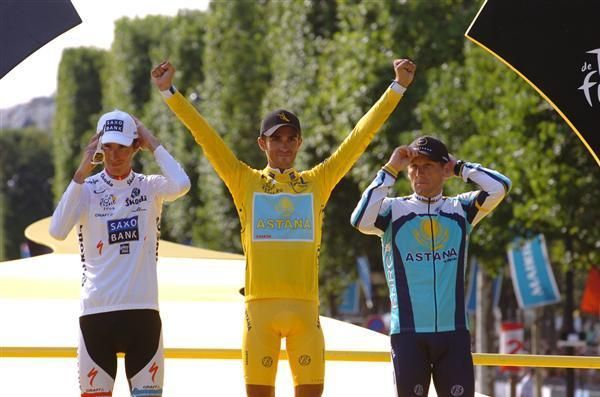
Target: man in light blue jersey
[424,240]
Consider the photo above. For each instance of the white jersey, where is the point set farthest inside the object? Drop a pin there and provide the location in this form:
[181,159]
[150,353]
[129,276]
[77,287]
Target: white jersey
[118,227]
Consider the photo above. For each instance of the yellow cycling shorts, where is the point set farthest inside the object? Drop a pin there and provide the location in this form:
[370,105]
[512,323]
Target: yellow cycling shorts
[267,322]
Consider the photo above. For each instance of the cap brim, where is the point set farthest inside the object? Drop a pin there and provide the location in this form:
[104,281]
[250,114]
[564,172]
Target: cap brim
[431,156]
[109,137]
[272,130]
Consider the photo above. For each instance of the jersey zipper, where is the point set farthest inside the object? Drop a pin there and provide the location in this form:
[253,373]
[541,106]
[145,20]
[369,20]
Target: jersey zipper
[433,261]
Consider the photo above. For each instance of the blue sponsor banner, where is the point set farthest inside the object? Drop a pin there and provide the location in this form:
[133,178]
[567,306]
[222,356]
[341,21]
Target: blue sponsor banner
[364,275]
[282,217]
[471,299]
[531,273]
[350,299]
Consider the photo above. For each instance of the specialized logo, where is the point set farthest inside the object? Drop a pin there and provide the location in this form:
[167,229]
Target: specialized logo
[267,361]
[113,125]
[92,375]
[153,370]
[100,245]
[591,71]
[108,201]
[283,117]
[457,390]
[121,230]
[283,217]
[304,360]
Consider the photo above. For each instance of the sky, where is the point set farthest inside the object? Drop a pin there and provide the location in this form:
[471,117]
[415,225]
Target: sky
[36,76]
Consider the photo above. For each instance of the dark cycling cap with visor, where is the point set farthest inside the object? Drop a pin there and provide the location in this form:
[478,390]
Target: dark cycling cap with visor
[432,148]
[279,118]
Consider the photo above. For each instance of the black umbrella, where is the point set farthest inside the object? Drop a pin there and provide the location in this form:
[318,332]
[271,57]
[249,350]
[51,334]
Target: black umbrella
[555,46]
[27,25]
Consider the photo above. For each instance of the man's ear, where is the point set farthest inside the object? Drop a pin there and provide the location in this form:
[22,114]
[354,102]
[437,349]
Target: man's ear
[262,144]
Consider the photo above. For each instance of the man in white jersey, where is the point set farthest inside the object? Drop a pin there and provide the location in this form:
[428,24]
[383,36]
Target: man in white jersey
[117,217]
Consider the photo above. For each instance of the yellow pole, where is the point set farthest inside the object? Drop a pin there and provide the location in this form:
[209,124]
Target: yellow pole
[488,359]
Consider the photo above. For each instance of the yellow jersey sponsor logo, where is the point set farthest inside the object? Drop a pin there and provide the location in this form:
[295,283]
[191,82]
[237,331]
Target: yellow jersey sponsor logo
[282,217]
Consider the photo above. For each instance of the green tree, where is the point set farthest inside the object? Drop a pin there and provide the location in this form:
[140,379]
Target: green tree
[78,104]
[26,184]
[503,123]
[354,69]
[128,82]
[236,66]
[183,45]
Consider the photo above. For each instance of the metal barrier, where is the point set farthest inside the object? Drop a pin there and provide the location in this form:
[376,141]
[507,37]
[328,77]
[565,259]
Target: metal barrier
[487,359]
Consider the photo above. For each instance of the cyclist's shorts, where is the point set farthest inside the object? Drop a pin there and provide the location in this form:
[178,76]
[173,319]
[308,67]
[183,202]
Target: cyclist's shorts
[138,334]
[445,356]
[267,322]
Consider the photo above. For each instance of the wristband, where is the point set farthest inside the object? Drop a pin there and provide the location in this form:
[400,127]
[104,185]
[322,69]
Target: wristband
[400,89]
[390,170]
[169,92]
[458,167]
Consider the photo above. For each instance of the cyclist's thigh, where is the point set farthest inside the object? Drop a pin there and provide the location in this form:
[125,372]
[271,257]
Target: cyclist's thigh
[144,357]
[261,343]
[412,366]
[305,344]
[453,368]
[96,353]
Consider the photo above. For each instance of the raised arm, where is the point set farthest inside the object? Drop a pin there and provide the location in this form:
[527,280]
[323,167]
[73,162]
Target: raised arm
[173,182]
[75,198]
[340,162]
[372,213]
[218,153]
[494,188]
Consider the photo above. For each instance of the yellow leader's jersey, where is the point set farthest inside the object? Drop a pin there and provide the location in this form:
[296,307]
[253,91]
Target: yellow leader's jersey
[281,213]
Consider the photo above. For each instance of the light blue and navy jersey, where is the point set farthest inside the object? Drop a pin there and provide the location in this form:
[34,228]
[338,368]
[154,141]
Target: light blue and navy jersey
[424,246]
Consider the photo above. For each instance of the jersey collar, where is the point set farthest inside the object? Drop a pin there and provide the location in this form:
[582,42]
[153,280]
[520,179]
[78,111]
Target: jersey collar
[287,175]
[116,182]
[427,200]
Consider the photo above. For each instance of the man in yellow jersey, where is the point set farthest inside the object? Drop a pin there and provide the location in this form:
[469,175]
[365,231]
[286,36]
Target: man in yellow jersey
[281,213]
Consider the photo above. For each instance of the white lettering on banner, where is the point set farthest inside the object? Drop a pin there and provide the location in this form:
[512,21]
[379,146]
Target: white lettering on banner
[588,84]
[531,271]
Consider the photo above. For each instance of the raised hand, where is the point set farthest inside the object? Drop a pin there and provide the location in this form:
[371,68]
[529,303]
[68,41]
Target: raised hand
[86,166]
[405,71]
[401,157]
[162,75]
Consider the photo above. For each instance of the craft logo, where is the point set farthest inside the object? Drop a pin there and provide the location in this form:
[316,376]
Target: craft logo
[113,125]
[122,230]
[591,80]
